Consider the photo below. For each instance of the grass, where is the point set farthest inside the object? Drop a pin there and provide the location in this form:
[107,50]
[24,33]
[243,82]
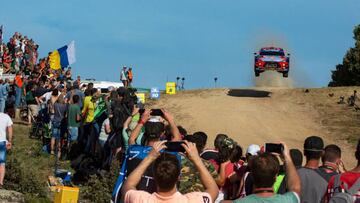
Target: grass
[28,168]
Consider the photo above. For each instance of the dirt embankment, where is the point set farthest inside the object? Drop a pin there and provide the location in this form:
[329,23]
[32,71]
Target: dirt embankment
[260,115]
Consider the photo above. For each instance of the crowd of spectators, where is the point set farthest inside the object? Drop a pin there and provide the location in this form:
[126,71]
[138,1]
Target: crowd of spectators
[33,76]
[224,173]
[162,162]
[19,52]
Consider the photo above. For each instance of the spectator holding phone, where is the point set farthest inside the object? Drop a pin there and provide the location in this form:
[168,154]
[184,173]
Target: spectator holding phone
[166,173]
[190,180]
[129,125]
[154,129]
[265,168]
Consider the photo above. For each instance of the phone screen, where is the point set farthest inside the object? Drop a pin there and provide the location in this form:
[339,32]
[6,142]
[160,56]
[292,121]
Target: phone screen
[272,147]
[174,146]
[156,112]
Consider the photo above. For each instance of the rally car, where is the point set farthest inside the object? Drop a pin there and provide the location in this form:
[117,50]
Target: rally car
[272,58]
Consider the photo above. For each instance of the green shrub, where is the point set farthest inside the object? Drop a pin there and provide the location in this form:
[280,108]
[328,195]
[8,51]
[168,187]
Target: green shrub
[27,167]
[24,179]
[99,188]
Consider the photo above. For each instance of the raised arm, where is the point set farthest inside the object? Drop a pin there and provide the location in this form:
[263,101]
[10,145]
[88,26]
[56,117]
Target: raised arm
[40,99]
[174,129]
[206,179]
[293,180]
[135,133]
[134,178]
[128,120]
[220,181]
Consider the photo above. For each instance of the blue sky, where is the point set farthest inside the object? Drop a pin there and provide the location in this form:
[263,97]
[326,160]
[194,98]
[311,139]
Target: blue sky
[195,39]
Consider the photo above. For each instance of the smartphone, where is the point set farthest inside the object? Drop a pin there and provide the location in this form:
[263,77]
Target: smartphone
[156,112]
[174,146]
[141,111]
[272,147]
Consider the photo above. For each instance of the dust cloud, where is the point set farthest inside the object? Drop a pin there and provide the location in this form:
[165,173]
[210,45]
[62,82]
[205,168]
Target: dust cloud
[273,79]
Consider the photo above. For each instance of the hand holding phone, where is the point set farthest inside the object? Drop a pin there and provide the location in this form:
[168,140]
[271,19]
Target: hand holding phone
[141,111]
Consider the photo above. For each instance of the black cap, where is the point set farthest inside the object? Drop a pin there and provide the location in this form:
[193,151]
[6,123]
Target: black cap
[314,144]
[75,85]
[121,91]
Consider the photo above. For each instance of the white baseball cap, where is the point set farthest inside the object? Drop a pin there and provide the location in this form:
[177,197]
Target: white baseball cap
[253,149]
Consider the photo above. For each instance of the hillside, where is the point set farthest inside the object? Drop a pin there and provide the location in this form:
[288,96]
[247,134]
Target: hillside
[260,115]
[255,115]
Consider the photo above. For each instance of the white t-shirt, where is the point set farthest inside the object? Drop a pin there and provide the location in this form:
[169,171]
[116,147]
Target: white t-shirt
[103,136]
[47,96]
[5,121]
[123,75]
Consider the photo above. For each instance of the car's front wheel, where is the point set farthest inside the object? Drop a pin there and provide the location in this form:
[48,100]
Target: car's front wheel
[257,73]
[285,74]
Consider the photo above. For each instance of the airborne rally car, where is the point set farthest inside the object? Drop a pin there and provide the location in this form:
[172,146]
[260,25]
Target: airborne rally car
[272,58]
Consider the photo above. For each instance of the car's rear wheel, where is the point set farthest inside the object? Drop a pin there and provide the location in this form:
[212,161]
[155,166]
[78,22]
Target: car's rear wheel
[257,73]
[285,74]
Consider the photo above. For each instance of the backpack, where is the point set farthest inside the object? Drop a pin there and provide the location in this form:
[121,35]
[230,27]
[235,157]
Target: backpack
[326,176]
[29,97]
[343,194]
[120,114]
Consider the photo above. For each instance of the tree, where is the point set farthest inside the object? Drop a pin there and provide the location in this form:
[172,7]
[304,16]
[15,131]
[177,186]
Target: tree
[348,73]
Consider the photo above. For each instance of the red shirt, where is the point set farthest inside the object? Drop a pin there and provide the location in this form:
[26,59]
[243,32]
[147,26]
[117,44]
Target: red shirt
[7,58]
[18,81]
[348,177]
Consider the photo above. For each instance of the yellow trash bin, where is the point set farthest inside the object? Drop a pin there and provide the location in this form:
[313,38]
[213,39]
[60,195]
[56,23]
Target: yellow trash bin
[170,88]
[65,194]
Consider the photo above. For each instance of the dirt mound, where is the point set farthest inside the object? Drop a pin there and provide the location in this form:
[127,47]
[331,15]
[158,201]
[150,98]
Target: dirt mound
[256,116]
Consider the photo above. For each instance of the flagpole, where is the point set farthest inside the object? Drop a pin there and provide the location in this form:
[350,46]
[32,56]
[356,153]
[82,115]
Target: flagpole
[1,38]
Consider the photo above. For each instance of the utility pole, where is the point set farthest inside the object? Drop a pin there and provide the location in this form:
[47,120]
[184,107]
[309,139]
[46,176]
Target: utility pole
[177,83]
[182,83]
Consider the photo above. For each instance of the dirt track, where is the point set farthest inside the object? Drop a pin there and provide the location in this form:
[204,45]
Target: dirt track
[259,115]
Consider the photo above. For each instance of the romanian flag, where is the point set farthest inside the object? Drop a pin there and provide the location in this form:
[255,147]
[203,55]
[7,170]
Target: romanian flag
[63,57]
